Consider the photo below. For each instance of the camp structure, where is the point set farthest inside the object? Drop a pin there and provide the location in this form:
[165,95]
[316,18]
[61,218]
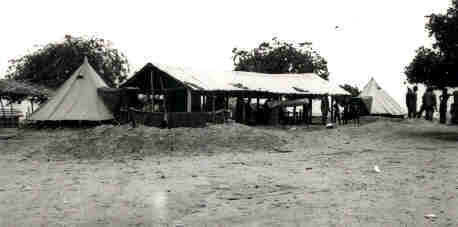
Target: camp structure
[76,99]
[9,117]
[378,102]
[185,93]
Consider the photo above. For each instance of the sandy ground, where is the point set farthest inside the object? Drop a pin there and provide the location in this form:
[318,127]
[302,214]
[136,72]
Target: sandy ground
[315,178]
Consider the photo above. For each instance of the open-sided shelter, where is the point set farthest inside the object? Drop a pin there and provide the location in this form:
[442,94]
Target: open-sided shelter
[188,90]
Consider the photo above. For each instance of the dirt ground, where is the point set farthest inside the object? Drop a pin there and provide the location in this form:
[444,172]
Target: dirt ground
[216,176]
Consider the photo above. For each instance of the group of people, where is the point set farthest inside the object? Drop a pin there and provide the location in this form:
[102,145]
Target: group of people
[429,104]
[350,111]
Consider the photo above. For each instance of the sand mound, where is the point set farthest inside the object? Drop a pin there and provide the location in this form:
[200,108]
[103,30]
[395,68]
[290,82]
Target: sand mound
[110,141]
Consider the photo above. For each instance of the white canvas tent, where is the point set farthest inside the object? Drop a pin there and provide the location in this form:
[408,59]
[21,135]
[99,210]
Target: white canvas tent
[76,99]
[379,101]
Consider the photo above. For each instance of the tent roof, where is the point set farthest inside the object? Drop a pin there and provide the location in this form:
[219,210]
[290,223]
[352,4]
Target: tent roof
[76,99]
[307,83]
[382,102]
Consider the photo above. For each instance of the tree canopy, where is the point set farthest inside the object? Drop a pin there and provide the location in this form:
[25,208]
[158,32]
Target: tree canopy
[353,90]
[278,56]
[437,66]
[54,63]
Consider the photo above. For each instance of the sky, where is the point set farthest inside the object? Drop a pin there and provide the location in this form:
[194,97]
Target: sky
[376,38]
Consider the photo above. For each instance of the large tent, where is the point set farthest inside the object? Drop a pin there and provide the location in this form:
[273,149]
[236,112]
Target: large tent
[76,99]
[378,101]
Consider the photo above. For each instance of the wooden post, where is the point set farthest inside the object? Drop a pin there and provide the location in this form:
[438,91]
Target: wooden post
[213,108]
[201,103]
[303,120]
[164,103]
[152,90]
[31,104]
[204,103]
[243,111]
[310,109]
[227,102]
[227,108]
[332,109]
[294,114]
[188,101]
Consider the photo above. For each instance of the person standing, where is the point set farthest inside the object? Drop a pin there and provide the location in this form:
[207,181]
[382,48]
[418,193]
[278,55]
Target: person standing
[443,106]
[409,102]
[434,104]
[422,107]
[414,101]
[324,109]
[337,117]
[429,103]
[454,108]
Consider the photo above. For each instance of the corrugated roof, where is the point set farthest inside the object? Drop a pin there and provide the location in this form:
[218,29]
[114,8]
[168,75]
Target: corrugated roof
[199,79]
[307,83]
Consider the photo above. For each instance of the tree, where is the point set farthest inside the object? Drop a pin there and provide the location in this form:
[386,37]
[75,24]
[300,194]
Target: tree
[353,90]
[428,67]
[437,66]
[54,63]
[278,56]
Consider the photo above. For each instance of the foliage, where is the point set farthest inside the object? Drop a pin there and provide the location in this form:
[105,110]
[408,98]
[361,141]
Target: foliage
[437,66]
[278,56]
[54,63]
[15,91]
[353,90]
[428,67]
